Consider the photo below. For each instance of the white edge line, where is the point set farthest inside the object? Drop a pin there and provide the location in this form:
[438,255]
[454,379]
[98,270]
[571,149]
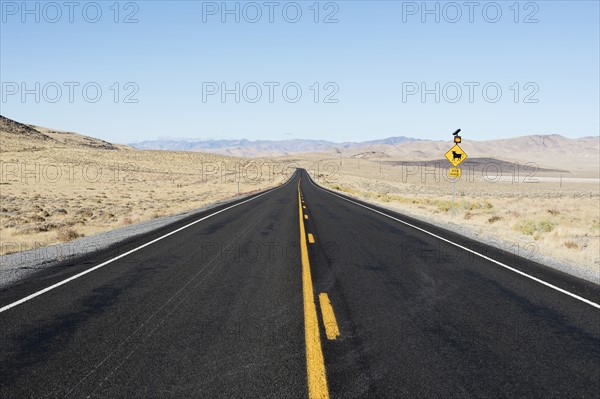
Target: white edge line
[594,304]
[83,273]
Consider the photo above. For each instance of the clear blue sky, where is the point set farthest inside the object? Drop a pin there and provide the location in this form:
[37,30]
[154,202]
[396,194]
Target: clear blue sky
[375,54]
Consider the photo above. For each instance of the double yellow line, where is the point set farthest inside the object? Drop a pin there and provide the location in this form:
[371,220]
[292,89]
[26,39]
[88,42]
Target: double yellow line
[315,363]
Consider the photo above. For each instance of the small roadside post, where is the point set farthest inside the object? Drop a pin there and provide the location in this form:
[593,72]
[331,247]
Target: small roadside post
[455,156]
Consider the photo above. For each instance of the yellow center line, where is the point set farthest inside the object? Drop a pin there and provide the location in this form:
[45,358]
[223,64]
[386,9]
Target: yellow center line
[315,363]
[311,238]
[305,217]
[331,327]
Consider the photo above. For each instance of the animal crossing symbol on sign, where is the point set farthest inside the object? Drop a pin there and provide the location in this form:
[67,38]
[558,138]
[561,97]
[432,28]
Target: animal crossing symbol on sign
[456,155]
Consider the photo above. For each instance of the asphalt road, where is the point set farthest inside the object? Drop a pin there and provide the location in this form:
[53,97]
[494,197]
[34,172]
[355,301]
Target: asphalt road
[233,305]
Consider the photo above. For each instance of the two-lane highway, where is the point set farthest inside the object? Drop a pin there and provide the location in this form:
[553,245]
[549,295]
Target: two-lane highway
[299,292]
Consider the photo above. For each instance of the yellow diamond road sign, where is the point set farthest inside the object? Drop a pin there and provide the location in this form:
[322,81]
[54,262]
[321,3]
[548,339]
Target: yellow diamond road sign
[456,155]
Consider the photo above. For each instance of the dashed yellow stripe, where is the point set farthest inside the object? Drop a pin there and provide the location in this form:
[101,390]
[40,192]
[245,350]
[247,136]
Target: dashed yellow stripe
[311,238]
[331,327]
[315,363]
[305,217]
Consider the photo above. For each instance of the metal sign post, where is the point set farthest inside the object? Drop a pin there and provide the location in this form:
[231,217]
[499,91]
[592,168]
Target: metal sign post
[453,189]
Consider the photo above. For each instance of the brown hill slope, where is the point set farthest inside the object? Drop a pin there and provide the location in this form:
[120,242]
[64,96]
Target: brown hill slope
[76,140]
[17,137]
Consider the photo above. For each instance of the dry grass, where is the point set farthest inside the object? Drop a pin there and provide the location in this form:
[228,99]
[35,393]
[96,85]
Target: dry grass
[494,219]
[51,194]
[67,234]
[532,227]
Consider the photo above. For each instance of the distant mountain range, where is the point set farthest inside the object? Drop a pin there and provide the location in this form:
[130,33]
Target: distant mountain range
[552,151]
[262,147]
